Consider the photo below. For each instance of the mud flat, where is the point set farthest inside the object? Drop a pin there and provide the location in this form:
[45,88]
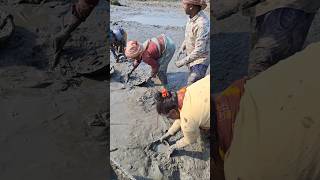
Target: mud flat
[47,118]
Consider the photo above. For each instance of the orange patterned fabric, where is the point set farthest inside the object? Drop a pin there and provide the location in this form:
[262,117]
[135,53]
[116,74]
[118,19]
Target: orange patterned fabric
[227,106]
[181,94]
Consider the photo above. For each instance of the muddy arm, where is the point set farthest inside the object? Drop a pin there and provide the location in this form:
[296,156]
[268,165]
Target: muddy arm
[175,127]
[190,137]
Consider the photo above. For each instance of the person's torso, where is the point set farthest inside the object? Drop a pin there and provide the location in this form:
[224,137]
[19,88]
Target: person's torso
[154,48]
[309,6]
[277,129]
[196,104]
[200,23]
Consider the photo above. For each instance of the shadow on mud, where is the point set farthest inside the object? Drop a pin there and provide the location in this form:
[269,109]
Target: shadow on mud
[193,154]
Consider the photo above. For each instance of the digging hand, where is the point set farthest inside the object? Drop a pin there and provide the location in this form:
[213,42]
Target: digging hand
[171,150]
[128,76]
[164,137]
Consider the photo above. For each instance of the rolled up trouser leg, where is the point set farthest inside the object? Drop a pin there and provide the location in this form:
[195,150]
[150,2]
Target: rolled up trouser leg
[197,72]
[83,8]
[165,59]
[280,34]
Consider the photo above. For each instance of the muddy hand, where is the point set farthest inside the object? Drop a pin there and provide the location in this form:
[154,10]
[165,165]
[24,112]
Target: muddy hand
[171,150]
[164,137]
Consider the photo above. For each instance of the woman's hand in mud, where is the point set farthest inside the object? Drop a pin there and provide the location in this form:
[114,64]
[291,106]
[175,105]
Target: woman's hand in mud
[164,137]
[171,150]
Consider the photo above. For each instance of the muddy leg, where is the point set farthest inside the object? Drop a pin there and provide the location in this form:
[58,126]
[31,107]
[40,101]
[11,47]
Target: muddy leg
[163,77]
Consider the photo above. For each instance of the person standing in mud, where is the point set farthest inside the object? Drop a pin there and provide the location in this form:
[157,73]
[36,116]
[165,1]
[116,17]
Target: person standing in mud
[196,42]
[281,29]
[118,41]
[189,107]
[80,11]
[156,52]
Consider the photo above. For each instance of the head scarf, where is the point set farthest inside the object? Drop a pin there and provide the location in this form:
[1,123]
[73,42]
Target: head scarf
[201,3]
[133,49]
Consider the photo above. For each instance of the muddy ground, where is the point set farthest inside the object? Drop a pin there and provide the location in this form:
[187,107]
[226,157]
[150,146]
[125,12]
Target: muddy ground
[134,123]
[46,117]
[133,119]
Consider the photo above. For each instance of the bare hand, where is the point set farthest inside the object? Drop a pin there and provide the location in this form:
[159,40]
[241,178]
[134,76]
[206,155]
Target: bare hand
[180,63]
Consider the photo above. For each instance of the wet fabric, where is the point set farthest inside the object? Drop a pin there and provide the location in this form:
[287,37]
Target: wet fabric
[280,34]
[197,72]
[277,130]
[195,112]
[83,8]
[197,40]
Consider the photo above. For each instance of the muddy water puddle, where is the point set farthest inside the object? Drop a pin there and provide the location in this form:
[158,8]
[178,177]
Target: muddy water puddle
[173,19]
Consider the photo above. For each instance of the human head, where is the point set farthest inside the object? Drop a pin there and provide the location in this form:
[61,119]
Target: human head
[192,7]
[120,34]
[167,104]
[133,50]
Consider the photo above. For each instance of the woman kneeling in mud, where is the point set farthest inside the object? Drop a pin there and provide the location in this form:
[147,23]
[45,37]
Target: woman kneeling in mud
[190,107]
[156,52]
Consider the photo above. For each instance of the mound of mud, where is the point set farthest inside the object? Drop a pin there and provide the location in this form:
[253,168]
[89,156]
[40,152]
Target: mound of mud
[117,172]
[147,100]
[138,77]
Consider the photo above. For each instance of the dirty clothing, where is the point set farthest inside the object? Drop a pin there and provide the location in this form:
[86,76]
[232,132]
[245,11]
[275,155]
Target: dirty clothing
[277,130]
[197,40]
[308,6]
[158,53]
[280,34]
[226,109]
[197,72]
[194,114]
[83,8]
[165,58]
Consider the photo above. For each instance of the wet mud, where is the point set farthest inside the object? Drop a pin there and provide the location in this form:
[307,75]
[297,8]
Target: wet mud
[54,124]
[134,122]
